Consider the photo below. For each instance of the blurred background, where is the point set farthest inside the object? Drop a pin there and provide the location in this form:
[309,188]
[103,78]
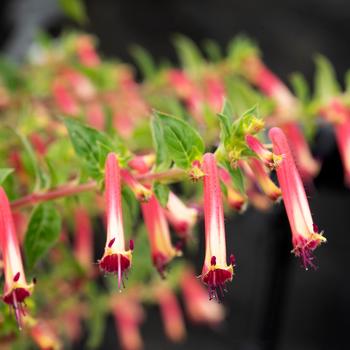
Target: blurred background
[272,302]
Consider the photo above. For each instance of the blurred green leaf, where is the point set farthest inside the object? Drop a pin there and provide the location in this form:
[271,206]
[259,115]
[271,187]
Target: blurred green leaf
[43,231]
[183,142]
[300,87]
[144,61]
[326,85]
[4,173]
[162,193]
[225,118]
[213,50]
[75,9]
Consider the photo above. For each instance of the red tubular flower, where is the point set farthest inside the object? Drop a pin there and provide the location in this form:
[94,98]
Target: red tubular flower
[16,289]
[181,217]
[86,51]
[270,159]
[215,273]
[83,243]
[214,92]
[305,235]
[339,115]
[43,334]
[128,315]
[342,135]
[64,99]
[256,171]
[115,259]
[173,322]
[142,164]
[158,234]
[198,307]
[235,199]
[95,115]
[306,164]
[142,193]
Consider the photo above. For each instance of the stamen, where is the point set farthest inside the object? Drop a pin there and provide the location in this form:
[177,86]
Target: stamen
[16,277]
[111,242]
[213,261]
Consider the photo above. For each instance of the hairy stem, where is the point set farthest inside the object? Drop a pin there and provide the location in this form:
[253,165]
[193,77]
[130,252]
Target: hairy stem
[71,189]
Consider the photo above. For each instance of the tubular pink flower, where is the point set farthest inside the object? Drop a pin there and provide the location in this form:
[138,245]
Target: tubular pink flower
[305,235]
[158,234]
[306,164]
[234,198]
[128,315]
[215,273]
[86,51]
[142,193]
[16,289]
[64,99]
[95,115]
[256,171]
[116,258]
[142,164]
[214,92]
[270,159]
[342,135]
[198,307]
[173,321]
[83,242]
[181,217]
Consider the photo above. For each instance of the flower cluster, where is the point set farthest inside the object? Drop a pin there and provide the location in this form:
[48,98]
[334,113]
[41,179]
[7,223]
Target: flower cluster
[148,160]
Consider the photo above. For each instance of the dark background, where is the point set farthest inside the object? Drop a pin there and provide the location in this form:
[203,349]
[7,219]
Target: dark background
[272,303]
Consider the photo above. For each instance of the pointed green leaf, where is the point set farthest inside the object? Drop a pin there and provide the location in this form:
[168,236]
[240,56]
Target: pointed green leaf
[300,87]
[74,9]
[162,193]
[183,142]
[4,173]
[144,61]
[326,85]
[43,231]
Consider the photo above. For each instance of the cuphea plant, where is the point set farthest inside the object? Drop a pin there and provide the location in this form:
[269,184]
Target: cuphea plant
[89,153]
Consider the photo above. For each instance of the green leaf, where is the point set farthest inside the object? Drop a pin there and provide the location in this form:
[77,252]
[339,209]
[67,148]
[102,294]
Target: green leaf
[75,9]
[326,85]
[225,122]
[9,74]
[4,173]
[213,50]
[162,155]
[183,142]
[130,209]
[43,231]
[92,145]
[300,87]
[347,81]
[41,179]
[189,54]
[236,176]
[240,48]
[144,61]
[162,193]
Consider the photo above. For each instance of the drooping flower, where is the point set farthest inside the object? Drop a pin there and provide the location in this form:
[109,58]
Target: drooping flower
[173,321]
[142,163]
[128,315]
[308,167]
[255,170]
[162,249]
[270,159]
[43,334]
[141,192]
[235,199]
[83,240]
[181,217]
[16,289]
[64,99]
[305,234]
[86,51]
[116,259]
[215,273]
[198,307]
